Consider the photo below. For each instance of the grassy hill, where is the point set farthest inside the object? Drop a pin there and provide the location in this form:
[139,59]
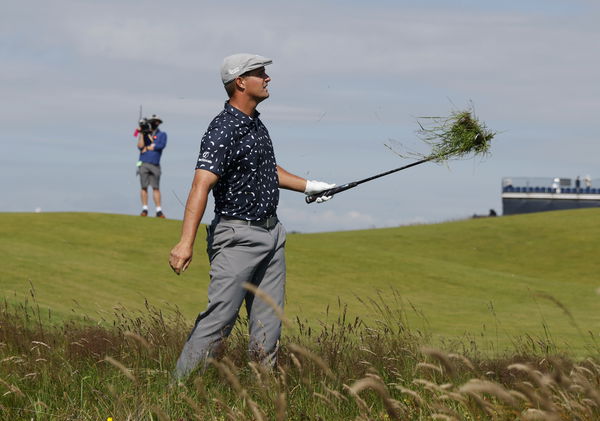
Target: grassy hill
[482,282]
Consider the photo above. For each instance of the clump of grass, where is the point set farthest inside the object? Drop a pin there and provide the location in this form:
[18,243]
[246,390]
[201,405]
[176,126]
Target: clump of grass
[457,136]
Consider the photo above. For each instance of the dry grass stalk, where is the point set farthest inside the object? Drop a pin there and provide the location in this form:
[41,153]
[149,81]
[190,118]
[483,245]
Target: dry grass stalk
[281,407]
[282,378]
[593,364]
[429,366]
[392,406]
[443,417]
[138,338]
[162,416]
[430,386]
[296,362]
[452,396]
[362,405]
[232,367]
[533,398]
[267,299]
[334,393]
[126,371]
[201,388]
[12,389]
[539,394]
[462,359]
[229,376]
[586,387]
[439,408]
[41,404]
[40,343]
[227,372]
[590,403]
[417,398]
[313,357]
[482,404]
[325,399]
[193,404]
[519,395]
[533,414]
[583,407]
[442,358]
[231,414]
[491,388]
[257,373]
[584,370]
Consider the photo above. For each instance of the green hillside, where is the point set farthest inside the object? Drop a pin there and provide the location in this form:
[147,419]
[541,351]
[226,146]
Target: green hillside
[485,280]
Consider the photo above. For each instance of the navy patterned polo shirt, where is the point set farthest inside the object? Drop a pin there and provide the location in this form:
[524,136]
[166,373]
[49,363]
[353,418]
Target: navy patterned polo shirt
[238,149]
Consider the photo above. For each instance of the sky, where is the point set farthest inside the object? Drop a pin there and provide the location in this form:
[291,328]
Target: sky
[348,78]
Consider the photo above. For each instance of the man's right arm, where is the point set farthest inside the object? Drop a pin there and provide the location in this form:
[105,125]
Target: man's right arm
[141,143]
[181,254]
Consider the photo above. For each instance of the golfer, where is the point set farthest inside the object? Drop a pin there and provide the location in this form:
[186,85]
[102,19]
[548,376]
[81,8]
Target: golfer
[245,241]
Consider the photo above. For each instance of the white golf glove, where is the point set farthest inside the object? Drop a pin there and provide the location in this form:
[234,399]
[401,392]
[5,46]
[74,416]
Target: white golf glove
[314,187]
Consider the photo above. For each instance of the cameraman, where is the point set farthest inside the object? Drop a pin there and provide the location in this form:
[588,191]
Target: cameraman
[151,142]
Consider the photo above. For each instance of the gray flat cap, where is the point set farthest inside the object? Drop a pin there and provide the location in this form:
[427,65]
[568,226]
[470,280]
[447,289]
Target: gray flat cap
[238,64]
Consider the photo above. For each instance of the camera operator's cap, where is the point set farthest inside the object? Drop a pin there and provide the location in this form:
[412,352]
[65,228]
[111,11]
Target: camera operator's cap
[155,117]
[238,64]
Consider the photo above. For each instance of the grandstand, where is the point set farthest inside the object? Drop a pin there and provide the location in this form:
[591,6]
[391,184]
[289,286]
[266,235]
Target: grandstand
[539,194]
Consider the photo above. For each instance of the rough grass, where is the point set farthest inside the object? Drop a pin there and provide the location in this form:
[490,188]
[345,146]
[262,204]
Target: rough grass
[345,369]
[491,283]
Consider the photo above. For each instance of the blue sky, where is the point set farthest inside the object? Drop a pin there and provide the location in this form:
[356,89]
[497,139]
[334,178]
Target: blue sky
[348,78]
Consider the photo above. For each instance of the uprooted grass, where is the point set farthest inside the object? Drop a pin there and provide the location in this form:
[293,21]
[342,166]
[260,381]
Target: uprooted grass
[347,369]
[457,136]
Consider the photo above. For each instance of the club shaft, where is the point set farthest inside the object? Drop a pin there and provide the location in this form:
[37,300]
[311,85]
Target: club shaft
[347,186]
[364,180]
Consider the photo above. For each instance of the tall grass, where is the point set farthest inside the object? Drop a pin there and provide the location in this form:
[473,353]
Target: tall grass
[344,370]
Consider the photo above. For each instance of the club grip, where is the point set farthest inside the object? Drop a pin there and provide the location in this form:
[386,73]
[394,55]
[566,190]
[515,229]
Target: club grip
[313,197]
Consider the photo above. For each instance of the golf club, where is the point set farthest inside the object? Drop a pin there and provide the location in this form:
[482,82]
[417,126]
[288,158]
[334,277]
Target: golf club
[347,186]
[454,137]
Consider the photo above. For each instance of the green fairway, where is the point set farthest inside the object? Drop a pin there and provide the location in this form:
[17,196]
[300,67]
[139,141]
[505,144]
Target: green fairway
[484,280]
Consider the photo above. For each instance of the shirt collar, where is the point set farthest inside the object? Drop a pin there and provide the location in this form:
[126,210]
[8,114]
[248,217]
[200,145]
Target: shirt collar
[240,115]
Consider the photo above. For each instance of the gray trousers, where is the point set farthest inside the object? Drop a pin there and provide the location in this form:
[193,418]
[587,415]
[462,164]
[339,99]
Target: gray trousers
[238,254]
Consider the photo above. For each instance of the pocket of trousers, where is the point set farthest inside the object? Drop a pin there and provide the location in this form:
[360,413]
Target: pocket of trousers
[218,237]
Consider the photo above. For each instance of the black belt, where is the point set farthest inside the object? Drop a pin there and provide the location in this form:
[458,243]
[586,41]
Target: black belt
[266,223]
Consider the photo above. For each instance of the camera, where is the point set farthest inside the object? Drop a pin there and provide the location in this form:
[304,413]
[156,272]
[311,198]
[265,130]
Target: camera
[145,126]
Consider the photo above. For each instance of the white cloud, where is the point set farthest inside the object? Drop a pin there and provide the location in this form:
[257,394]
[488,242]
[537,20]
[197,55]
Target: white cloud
[324,219]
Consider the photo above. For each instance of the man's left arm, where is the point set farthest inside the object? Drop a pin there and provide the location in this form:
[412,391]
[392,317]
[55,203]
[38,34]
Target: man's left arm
[159,143]
[290,181]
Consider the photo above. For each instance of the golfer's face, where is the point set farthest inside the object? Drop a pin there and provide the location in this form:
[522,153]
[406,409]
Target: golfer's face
[256,82]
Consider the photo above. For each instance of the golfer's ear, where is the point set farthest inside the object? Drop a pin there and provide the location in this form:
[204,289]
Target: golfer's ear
[240,83]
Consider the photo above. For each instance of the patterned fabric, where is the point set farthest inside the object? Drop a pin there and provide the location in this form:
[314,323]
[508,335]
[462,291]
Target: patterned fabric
[238,149]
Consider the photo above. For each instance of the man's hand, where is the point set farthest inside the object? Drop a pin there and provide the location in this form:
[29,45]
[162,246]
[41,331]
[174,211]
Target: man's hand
[314,187]
[180,258]
[181,255]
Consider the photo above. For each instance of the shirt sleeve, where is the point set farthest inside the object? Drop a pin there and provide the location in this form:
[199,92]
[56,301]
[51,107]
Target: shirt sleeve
[160,141]
[215,150]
